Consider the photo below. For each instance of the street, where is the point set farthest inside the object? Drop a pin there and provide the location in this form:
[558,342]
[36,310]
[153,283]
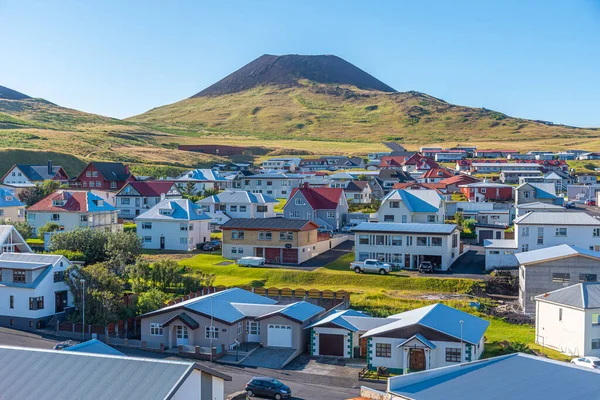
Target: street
[303,385]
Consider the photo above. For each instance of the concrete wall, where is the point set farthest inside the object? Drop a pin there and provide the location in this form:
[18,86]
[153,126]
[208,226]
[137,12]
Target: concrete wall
[500,258]
[566,335]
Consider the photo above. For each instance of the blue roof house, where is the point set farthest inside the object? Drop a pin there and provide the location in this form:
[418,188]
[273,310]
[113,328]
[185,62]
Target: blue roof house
[412,206]
[173,224]
[11,208]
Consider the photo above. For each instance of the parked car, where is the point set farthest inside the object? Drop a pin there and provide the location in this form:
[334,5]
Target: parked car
[570,204]
[323,229]
[425,266]
[590,202]
[212,245]
[268,387]
[589,362]
[372,265]
[348,228]
[251,261]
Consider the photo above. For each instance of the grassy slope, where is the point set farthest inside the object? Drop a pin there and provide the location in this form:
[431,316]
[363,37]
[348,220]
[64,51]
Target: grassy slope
[378,295]
[318,112]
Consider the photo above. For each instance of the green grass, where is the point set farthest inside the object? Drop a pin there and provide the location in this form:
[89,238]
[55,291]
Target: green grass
[35,241]
[279,206]
[217,235]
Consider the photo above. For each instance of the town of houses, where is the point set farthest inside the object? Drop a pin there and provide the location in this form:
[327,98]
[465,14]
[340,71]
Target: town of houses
[528,214]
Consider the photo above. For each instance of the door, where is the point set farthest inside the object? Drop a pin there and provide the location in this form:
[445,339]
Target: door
[258,251]
[485,234]
[279,335]
[417,359]
[60,301]
[290,256]
[182,335]
[253,331]
[272,256]
[331,345]
[162,242]
[362,342]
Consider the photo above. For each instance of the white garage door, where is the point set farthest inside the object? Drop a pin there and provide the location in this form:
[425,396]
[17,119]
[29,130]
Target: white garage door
[279,336]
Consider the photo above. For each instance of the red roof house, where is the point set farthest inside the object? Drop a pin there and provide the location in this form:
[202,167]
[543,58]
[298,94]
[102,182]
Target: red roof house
[327,207]
[103,176]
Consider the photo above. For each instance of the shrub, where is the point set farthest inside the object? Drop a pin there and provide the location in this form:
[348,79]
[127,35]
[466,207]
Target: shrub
[71,255]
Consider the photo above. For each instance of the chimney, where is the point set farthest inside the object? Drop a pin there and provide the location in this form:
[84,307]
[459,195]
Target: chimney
[305,185]
[50,167]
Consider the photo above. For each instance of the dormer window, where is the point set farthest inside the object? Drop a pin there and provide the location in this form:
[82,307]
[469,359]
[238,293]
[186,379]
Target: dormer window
[9,198]
[100,203]
[165,211]
[58,203]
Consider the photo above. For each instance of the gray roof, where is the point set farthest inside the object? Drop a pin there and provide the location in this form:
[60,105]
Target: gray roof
[540,205]
[554,252]
[500,244]
[436,229]
[581,295]
[238,197]
[514,376]
[265,223]
[53,374]
[554,218]
[34,258]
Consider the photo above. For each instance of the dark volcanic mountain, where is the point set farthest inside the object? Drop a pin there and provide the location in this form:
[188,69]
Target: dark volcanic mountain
[286,70]
[9,94]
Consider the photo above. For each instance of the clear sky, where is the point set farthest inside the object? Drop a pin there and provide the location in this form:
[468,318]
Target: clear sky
[526,58]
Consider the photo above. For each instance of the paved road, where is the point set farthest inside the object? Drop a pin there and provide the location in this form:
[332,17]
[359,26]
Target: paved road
[303,385]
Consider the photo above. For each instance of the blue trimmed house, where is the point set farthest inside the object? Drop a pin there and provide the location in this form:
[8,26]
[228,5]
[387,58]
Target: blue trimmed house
[409,206]
[537,192]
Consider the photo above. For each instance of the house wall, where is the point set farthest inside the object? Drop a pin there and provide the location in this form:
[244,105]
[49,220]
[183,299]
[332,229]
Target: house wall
[171,231]
[526,194]
[12,214]
[403,215]
[72,220]
[298,208]
[297,330]
[349,341]
[132,206]
[581,236]
[280,188]
[500,258]
[536,279]
[566,335]
[250,209]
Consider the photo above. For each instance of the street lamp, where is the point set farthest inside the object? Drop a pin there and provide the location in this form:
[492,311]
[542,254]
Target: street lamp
[83,306]
[461,340]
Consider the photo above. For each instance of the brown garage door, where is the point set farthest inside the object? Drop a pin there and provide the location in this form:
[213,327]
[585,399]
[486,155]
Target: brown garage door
[331,345]
[272,256]
[290,256]
[485,234]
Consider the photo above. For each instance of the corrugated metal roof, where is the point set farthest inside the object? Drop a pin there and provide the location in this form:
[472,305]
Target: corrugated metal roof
[500,244]
[94,346]
[420,338]
[440,318]
[582,295]
[256,310]
[301,311]
[422,200]
[554,218]
[207,175]
[550,253]
[440,229]
[540,205]
[265,223]
[6,231]
[31,258]
[181,209]
[514,376]
[238,197]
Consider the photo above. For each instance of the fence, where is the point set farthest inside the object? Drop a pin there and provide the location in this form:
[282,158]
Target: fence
[124,329]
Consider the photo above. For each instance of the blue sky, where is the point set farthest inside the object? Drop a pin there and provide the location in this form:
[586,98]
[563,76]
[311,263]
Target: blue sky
[532,59]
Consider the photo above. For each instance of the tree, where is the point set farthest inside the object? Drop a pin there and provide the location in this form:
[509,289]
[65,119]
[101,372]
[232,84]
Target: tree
[122,249]
[210,192]
[103,292]
[139,274]
[24,229]
[34,194]
[48,227]
[459,218]
[151,300]
[91,242]
[189,189]
[362,177]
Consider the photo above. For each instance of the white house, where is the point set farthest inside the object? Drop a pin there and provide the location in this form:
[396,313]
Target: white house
[26,175]
[12,241]
[73,209]
[33,289]
[277,185]
[406,245]
[137,197]
[568,319]
[412,206]
[538,206]
[104,376]
[240,204]
[173,224]
[202,180]
[425,338]
[281,164]
[358,192]
[11,208]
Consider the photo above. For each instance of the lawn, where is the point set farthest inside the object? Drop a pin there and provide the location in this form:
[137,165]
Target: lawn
[35,241]
[279,206]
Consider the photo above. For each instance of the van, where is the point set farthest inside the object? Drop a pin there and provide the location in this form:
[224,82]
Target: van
[251,261]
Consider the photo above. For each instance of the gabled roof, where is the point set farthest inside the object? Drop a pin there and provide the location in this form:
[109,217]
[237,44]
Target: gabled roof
[238,197]
[461,179]
[300,311]
[421,339]
[111,171]
[38,172]
[94,346]
[485,185]
[8,199]
[203,175]
[148,188]
[585,295]
[31,257]
[539,205]
[417,200]
[515,376]
[555,252]
[558,219]
[277,223]
[352,320]
[356,186]
[438,317]
[275,176]
[178,209]
[320,198]
[41,374]
[74,201]
[394,174]
[438,173]
[543,190]
[9,231]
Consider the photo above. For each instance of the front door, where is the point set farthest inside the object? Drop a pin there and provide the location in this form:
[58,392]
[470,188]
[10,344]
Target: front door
[253,331]
[258,251]
[60,301]
[363,346]
[162,242]
[181,335]
[417,359]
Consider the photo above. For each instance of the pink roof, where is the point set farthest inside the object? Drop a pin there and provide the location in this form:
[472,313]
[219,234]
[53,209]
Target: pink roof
[150,188]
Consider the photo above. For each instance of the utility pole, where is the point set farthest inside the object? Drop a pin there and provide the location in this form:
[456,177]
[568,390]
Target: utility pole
[212,332]
[461,341]
[83,307]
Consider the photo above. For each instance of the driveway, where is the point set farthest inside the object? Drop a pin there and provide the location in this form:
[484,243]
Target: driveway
[268,357]
[472,262]
[329,256]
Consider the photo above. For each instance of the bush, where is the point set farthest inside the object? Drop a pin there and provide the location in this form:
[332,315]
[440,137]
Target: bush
[48,227]
[24,229]
[70,255]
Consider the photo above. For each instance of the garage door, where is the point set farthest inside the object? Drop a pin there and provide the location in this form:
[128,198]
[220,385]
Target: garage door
[272,256]
[290,256]
[331,345]
[279,335]
[485,234]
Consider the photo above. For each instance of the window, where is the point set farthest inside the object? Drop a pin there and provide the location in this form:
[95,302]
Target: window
[156,329]
[286,236]
[436,241]
[540,235]
[183,226]
[421,240]
[561,277]
[363,256]
[560,314]
[242,208]
[94,174]
[233,250]
[191,227]
[388,218]
[561,232]
[36,303]
[183,240]
[383,350]
[454,240]
[214,330]
[59,276]
[298,202]
[525,231]
[588,278]
[431,218]
[147,239]
[31,217]
[266,235]
[494,252]
[363,239]
[55,217]
[113,185]
[379,240]
[98,184]
[483,190]
[453,354]
[596,232]
[239,235]
[595,319]
[330,214]
[233,208]
[269,183]
[294,214]
[595,344]
[525,248]
[88,174]
[240,327]
[396,240]
[240,250]
[92,184]
[12,302]
[409,240]
[404,218]
[18,276]
[260,209]
[394,204]
[146,225]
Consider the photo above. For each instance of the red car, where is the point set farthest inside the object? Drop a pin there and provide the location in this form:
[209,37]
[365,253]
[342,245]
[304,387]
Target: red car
[590,202]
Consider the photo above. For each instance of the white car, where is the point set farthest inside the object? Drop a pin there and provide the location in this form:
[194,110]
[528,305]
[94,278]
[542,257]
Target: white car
[251,261]
[589,362]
